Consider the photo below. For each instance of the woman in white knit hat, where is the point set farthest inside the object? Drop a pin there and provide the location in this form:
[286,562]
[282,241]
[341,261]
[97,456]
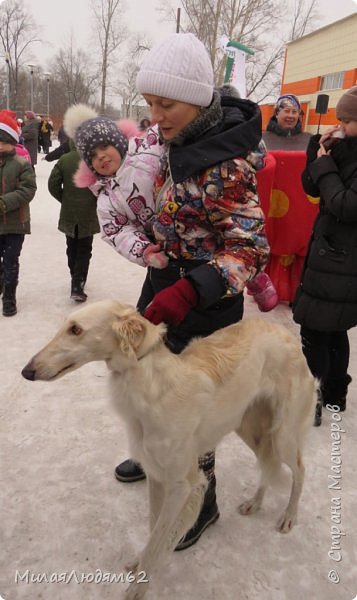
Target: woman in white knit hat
[208,219]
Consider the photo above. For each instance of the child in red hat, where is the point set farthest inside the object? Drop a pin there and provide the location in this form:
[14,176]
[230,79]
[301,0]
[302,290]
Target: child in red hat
[18,187]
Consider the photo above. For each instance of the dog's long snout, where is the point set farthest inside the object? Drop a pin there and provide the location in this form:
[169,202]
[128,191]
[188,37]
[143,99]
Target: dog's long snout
[28,373]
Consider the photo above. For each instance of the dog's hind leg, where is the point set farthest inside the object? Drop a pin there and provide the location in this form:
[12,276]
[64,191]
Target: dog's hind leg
[288,441]
[249,507]
[256,422]
[293,459]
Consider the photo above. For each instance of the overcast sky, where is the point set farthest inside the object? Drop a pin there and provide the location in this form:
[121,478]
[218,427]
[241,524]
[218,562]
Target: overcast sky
[58,18]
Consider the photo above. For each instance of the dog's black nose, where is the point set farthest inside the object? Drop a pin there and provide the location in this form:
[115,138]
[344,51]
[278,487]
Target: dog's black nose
[28,373]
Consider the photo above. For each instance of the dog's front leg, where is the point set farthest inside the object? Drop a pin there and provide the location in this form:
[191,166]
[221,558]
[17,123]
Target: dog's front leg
[164,535]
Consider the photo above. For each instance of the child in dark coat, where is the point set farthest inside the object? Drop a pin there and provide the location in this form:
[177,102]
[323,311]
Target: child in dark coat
[18,187]
[77,220]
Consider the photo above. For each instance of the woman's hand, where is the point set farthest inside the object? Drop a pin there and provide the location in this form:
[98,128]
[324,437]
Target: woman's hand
[322,151]
[172,304]
[329,133]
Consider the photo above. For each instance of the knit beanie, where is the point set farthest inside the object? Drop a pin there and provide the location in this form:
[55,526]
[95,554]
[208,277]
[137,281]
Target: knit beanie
[88,130]
[178,68]
[9,131]
[30,114]
[346,107]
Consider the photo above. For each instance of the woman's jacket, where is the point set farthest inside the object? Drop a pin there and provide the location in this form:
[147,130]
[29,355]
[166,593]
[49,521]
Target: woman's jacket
[327,297]
[207,205]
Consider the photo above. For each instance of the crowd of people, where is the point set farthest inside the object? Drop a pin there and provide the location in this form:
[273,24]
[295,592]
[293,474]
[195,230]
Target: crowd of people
[178,195]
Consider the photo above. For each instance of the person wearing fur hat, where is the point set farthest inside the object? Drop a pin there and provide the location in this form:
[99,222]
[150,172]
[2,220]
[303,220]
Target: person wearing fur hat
[284,129]
[325,305]
[18,187]
[207,218]
[77,220]
[120,172]
[30,135]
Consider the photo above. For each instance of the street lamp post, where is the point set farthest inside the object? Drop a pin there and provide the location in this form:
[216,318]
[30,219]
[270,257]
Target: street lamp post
[31,67]
[48,76]
[7,60]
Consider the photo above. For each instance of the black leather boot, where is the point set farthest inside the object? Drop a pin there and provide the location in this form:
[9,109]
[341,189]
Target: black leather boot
[9,301]
[1,279]
[129,471]
[208,515]
[77,291]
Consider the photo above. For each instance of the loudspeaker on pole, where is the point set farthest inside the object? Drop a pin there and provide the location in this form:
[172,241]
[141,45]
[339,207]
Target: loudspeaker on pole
[322,104]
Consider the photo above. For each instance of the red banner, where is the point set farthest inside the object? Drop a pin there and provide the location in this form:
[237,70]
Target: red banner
[290,214]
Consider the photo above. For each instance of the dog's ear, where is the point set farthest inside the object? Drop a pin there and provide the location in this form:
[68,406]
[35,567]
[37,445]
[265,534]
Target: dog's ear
[136,335]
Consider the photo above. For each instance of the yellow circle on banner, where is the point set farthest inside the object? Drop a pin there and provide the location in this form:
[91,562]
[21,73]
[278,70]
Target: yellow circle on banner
[312,199]
[279,204]
[287,259]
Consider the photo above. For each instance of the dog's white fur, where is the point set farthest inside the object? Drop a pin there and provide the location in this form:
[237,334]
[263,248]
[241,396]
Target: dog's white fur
[251,378]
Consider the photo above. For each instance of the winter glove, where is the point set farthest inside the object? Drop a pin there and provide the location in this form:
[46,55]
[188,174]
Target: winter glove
[2,206]
[154,257]
[172,304]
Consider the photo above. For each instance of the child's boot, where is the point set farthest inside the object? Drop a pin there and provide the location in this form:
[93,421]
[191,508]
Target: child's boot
[263,292]
[9,301]
[77,291]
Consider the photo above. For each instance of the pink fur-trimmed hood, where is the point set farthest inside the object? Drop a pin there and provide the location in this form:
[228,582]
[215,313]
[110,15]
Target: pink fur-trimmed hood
[84,177]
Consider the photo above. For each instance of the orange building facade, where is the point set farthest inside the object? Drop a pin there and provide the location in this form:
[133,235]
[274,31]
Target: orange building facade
[322,62]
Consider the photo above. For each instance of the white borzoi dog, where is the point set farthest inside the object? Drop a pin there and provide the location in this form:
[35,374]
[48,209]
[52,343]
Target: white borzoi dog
[251,378]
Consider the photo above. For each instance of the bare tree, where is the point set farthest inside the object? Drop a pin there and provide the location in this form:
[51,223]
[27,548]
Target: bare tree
[304,17]
[71,80]
[126,84]
[262,25]
[18,33]
[111,34]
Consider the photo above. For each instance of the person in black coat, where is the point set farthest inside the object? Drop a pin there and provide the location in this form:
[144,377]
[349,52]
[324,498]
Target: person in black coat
[325,304]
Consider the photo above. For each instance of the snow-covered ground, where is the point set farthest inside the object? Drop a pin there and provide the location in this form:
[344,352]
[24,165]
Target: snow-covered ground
[63,511]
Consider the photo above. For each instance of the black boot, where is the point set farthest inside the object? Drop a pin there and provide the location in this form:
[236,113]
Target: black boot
[129,471]
[334,392]
[9,301]
[208,515]
[77,291]
[1,280]
[318,409]
[318,414]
